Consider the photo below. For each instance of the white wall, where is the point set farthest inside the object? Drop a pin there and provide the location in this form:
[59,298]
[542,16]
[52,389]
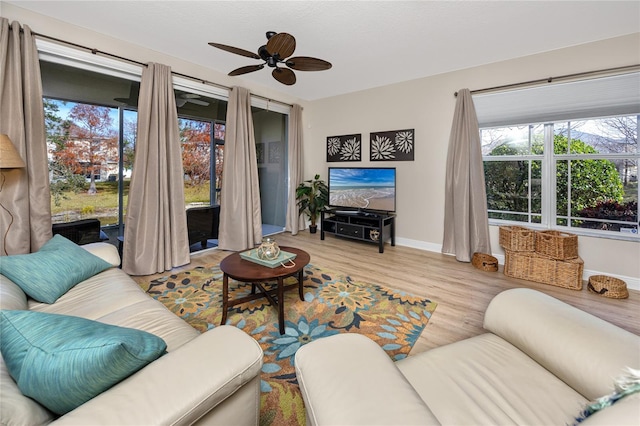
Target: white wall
[427,105]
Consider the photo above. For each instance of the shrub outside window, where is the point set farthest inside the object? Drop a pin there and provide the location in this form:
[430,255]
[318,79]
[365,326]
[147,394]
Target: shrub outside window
[580,174]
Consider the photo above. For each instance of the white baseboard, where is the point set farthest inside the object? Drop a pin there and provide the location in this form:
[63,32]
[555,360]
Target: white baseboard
[421,245]
[633,283]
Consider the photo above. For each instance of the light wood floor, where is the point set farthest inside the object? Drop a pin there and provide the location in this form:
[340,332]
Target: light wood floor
[461,291]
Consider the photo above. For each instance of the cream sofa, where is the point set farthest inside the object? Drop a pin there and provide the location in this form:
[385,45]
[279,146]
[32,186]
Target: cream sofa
[540,363]
[209,378]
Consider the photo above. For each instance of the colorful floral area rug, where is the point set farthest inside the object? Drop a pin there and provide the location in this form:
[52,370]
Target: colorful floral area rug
[333,304]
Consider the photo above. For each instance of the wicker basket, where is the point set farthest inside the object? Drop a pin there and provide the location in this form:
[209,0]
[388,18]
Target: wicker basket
[542,269]
[517,238]
[608,286]
[485,262]
[557,245]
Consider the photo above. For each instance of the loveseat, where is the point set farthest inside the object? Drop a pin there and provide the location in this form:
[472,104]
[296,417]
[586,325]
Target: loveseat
[540,363]
[209,378]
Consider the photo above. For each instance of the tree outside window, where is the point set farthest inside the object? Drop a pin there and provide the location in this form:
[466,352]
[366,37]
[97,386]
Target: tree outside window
[594,163]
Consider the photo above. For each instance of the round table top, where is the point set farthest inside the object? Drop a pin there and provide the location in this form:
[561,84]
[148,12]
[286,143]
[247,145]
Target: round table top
[244,270]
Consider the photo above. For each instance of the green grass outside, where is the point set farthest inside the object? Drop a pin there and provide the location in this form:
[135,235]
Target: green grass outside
[104,204]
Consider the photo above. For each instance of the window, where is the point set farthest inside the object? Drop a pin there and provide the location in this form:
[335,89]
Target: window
[580,174]
[199,139]
[90,143]
[513,172]
[91,162]
[564,155]
[91,120]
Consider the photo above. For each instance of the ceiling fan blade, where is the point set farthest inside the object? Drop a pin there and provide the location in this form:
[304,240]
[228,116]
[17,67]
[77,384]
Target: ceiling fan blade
[247,69]
[235,50]
[284,76]
[198,102]
[306,63]
[282,44]
[134,91]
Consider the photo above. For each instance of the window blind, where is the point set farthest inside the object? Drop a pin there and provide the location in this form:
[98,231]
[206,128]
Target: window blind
[596,97]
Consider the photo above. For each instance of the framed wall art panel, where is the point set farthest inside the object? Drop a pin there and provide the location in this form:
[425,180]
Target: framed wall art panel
[392,145]
[344,148]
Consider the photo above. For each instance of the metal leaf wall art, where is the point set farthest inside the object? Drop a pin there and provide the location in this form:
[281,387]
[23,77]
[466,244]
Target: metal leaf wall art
[344,148]
[392,145]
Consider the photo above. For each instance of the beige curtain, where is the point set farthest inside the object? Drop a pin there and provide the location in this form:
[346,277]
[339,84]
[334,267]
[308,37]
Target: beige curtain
[25,225]
[294,222]
[155,234]
[240,214]
[466,225]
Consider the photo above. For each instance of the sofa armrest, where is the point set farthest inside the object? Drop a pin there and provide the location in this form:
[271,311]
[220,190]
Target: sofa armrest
[347,379]
[180,387]
[584,351]
[105,251]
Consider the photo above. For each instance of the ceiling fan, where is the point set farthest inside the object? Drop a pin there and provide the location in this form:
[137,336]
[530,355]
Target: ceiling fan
[274,54]
[181,97]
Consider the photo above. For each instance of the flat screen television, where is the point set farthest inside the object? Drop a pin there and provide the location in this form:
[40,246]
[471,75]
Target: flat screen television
[363,188]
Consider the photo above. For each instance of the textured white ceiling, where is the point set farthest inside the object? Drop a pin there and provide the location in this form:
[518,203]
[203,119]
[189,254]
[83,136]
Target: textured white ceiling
[369,43]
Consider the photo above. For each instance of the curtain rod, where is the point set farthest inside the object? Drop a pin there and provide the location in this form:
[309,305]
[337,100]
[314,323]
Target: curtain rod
[553,79]
[96,51]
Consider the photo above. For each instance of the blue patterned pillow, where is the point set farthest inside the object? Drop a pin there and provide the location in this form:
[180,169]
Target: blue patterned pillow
[53,270]
[63,361]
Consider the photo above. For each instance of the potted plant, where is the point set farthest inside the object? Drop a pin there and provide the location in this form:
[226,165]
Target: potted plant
[312,196]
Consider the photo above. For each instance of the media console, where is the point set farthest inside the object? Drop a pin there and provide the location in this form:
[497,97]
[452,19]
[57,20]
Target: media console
[364,226]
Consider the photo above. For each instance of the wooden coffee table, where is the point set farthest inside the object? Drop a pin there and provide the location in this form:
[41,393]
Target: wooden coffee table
[234,266]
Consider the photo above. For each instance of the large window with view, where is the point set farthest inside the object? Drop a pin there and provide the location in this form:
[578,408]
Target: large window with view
[90,143]
[91,118]
[579,174]
[202,159]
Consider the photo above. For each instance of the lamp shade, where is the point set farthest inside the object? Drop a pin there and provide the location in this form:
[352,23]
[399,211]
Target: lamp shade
[9,157]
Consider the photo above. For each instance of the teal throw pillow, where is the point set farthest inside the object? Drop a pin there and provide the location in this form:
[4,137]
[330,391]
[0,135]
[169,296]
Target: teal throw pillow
[53,270]
[63,361]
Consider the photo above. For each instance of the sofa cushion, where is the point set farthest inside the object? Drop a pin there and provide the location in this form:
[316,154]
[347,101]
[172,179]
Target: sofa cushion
[112,297]
[485,380]
[63,361]
[15,408]
[11,296]
[623,412]
[53,270]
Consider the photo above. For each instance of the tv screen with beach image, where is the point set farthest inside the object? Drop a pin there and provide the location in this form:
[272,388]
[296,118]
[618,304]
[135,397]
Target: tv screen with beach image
[365,188]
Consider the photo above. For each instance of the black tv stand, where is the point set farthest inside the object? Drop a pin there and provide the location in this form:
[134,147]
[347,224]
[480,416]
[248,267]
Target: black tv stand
[359,225]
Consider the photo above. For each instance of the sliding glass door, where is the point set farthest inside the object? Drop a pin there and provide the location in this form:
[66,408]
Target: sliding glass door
[271,151]
[91,116]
